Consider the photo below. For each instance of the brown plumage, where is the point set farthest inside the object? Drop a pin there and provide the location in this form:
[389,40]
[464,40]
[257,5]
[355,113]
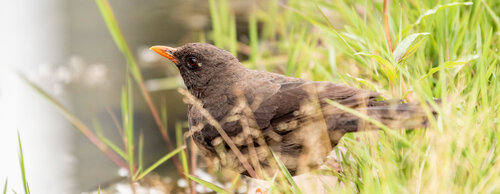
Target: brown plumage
[263,111]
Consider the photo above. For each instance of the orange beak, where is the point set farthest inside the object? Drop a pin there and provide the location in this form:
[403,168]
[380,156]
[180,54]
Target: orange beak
[166,51]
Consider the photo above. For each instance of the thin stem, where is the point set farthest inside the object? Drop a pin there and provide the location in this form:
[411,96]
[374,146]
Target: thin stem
[386,27]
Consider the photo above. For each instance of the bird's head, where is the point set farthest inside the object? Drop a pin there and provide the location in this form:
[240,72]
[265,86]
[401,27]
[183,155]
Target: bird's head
[198,63]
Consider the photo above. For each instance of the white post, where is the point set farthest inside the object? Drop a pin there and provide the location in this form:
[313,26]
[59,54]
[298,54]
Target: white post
[32,33]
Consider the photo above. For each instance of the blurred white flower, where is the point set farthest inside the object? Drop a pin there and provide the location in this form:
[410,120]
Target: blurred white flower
[123,172]
[77,65]
[55,78]
[95,75]
[63,74]
[182,183]
[125,188]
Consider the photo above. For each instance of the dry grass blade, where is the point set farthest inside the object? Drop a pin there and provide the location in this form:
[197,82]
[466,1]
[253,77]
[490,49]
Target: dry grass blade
[387,28]
[195,102]
[295,188]
[117,124]
[77,123]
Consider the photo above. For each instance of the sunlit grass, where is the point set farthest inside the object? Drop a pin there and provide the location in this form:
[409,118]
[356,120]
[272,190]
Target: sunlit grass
[446,50]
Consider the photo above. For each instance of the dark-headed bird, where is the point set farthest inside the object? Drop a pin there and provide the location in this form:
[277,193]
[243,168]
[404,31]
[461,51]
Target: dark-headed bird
[264,113]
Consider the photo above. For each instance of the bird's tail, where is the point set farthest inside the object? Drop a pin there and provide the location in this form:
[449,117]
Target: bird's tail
[392,114]
[401,116]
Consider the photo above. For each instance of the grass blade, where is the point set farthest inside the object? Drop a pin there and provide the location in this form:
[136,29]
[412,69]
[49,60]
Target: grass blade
[180,142]
[235,182]
[5,186]
[387,29]
[387,67]
[494,16]
[105,140]
[114,29]
[209,185]
[195,102]
[450,64]
[406,47]
[113,146]
[330,26]
[295,188]
[141,154]
[254,40]
[77,123]
[184,160]
[21,164]
[128,124]
[439,7]
[160,161]
[117,35]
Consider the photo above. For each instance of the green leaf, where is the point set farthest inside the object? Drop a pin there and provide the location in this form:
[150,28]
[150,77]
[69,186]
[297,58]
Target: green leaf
[103,139]
[295,188]
[365,82]
[208,185]
[128,123]
[407,47]
[180,142]
[272,182]
[233,183]
[450,64]
[114,29]
[254,39]
[494,16]
[5,186]
[328,28]
[116,33]
[21,164]
[439,7]
[160,161]
[113,146]
[387,67]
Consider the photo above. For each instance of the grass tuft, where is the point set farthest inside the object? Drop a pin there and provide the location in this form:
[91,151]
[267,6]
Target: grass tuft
[21,165]
[6,184]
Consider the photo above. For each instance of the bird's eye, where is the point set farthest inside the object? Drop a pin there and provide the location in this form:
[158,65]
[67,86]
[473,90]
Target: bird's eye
[192,62]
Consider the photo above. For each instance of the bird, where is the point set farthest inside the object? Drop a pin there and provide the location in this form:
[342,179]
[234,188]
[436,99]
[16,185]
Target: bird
[262,115]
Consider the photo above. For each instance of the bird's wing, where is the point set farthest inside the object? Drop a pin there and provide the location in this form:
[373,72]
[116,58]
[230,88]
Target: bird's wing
[280,105]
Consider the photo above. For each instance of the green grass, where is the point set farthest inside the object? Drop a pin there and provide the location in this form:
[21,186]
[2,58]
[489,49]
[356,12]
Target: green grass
[441,49]
[5,186]
[22,167]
